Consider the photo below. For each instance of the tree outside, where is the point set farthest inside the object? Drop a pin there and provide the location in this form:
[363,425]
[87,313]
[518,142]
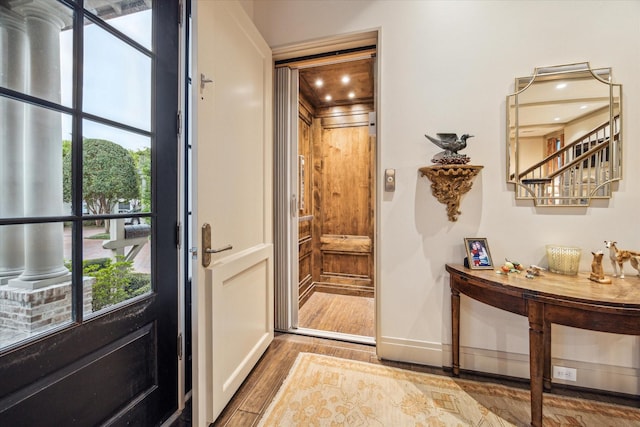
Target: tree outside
[109,174]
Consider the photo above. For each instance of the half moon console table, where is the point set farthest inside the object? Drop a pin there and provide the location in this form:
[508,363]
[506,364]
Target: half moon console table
[550,298]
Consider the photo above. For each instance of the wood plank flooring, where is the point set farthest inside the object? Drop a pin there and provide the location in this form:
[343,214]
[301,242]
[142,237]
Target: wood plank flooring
[262,384]
[259,389]
[338,313]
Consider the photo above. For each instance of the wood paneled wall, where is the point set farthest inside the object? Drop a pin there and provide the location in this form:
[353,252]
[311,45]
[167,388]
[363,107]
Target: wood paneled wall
[337,222]
[305,209]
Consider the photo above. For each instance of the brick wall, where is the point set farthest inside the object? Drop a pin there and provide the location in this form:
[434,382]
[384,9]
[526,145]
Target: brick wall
[31,311]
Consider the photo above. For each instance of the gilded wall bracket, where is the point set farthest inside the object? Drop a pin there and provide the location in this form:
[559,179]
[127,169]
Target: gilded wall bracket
[449,183]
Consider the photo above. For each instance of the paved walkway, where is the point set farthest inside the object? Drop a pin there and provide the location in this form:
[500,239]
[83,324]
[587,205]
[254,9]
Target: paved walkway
[92,248]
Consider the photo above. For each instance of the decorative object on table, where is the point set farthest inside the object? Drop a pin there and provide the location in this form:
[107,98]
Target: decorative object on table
[563,259]
[511,267]
[478,254]
[534,271]
[619,256]
[597,272]
[451,144]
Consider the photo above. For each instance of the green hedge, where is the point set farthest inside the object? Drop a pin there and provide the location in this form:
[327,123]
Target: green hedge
[115,280]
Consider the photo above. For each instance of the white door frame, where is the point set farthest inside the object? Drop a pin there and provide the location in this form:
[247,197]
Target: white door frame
[286,310]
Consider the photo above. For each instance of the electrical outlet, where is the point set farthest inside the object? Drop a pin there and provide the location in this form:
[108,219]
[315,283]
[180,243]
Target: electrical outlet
[562,373]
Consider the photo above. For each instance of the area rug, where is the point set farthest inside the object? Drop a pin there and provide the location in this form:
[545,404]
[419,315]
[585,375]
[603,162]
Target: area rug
[328,391]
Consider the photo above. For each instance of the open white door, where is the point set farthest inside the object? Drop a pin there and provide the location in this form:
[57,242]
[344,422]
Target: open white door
[232,166]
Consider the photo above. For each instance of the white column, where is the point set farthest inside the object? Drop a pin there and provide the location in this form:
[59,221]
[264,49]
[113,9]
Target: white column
[44,244]
[13,51]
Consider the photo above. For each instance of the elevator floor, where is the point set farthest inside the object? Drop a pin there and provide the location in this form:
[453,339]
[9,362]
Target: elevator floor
[338,313]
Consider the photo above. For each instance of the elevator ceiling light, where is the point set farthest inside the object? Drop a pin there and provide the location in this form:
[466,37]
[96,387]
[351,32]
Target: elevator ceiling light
[327,98]
[346,79]
[352,95]
[319,83]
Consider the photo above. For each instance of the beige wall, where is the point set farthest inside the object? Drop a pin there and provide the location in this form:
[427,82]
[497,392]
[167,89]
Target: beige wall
[447,66]
[579,128]
[531,151]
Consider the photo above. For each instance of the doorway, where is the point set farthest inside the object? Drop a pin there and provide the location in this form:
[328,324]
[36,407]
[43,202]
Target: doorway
[332,168]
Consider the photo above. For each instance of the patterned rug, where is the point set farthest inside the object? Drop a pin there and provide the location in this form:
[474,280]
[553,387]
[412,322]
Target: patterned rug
[327,391]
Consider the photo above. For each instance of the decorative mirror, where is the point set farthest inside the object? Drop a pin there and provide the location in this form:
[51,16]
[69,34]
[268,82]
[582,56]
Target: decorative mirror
[564,140]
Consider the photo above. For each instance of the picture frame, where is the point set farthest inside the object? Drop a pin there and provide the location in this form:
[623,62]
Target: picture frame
[478,253]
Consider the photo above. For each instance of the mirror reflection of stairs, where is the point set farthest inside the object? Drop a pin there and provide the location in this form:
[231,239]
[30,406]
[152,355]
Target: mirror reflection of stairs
[575,172]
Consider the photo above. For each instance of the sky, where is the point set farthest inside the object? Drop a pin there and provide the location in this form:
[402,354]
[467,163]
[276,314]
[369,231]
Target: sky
[117,80]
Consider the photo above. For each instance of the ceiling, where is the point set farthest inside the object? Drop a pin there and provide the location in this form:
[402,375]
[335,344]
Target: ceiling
[548,105]
[339,80]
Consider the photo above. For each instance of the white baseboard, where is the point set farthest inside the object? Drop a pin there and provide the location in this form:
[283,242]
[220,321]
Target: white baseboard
[619,379]
[412,351]
[596,376]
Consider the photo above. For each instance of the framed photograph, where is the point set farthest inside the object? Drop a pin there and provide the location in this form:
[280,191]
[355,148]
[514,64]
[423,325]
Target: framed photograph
[478,253]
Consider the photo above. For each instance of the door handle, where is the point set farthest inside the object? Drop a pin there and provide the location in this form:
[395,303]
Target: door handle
[206,245]
[215,251]
[204,80]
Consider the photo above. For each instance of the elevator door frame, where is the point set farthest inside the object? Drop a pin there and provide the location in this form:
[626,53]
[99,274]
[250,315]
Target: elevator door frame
[287,307]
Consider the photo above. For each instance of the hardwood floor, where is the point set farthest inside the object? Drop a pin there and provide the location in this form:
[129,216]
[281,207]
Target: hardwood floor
[262,384]
[259,389]
[338,313]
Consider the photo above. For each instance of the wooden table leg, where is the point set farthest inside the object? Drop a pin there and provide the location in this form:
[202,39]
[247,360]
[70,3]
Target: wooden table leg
[536,359]
[455,330]
[546,379]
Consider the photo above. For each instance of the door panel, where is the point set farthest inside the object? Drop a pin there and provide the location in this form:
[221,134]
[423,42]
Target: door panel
[241,324]
[116,364]
[128,360]
[345,210]
[305,247]
[233,186]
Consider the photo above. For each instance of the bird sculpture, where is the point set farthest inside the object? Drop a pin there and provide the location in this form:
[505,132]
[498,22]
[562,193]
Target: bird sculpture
[451,144]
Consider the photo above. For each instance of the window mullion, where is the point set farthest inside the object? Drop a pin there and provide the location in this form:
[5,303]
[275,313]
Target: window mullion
[76,169]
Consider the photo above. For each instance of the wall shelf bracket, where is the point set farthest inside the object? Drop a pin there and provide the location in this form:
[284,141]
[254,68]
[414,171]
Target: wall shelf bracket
[449,183]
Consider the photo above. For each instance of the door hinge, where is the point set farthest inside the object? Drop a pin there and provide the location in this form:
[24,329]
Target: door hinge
[178,235]
[180,13]
[179,123]
[180,346]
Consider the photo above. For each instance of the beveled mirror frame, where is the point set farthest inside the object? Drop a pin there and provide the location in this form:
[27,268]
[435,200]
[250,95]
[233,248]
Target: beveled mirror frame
[572,101]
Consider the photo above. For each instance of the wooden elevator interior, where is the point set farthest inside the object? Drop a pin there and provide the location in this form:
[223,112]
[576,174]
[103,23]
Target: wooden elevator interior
[336,171]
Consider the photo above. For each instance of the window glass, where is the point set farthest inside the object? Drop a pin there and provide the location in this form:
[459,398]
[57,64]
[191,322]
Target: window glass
[116,261]
[116,170]
[35,291]
[36,40]
[36,165]
[117,79]
[32,161]
[132,18]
